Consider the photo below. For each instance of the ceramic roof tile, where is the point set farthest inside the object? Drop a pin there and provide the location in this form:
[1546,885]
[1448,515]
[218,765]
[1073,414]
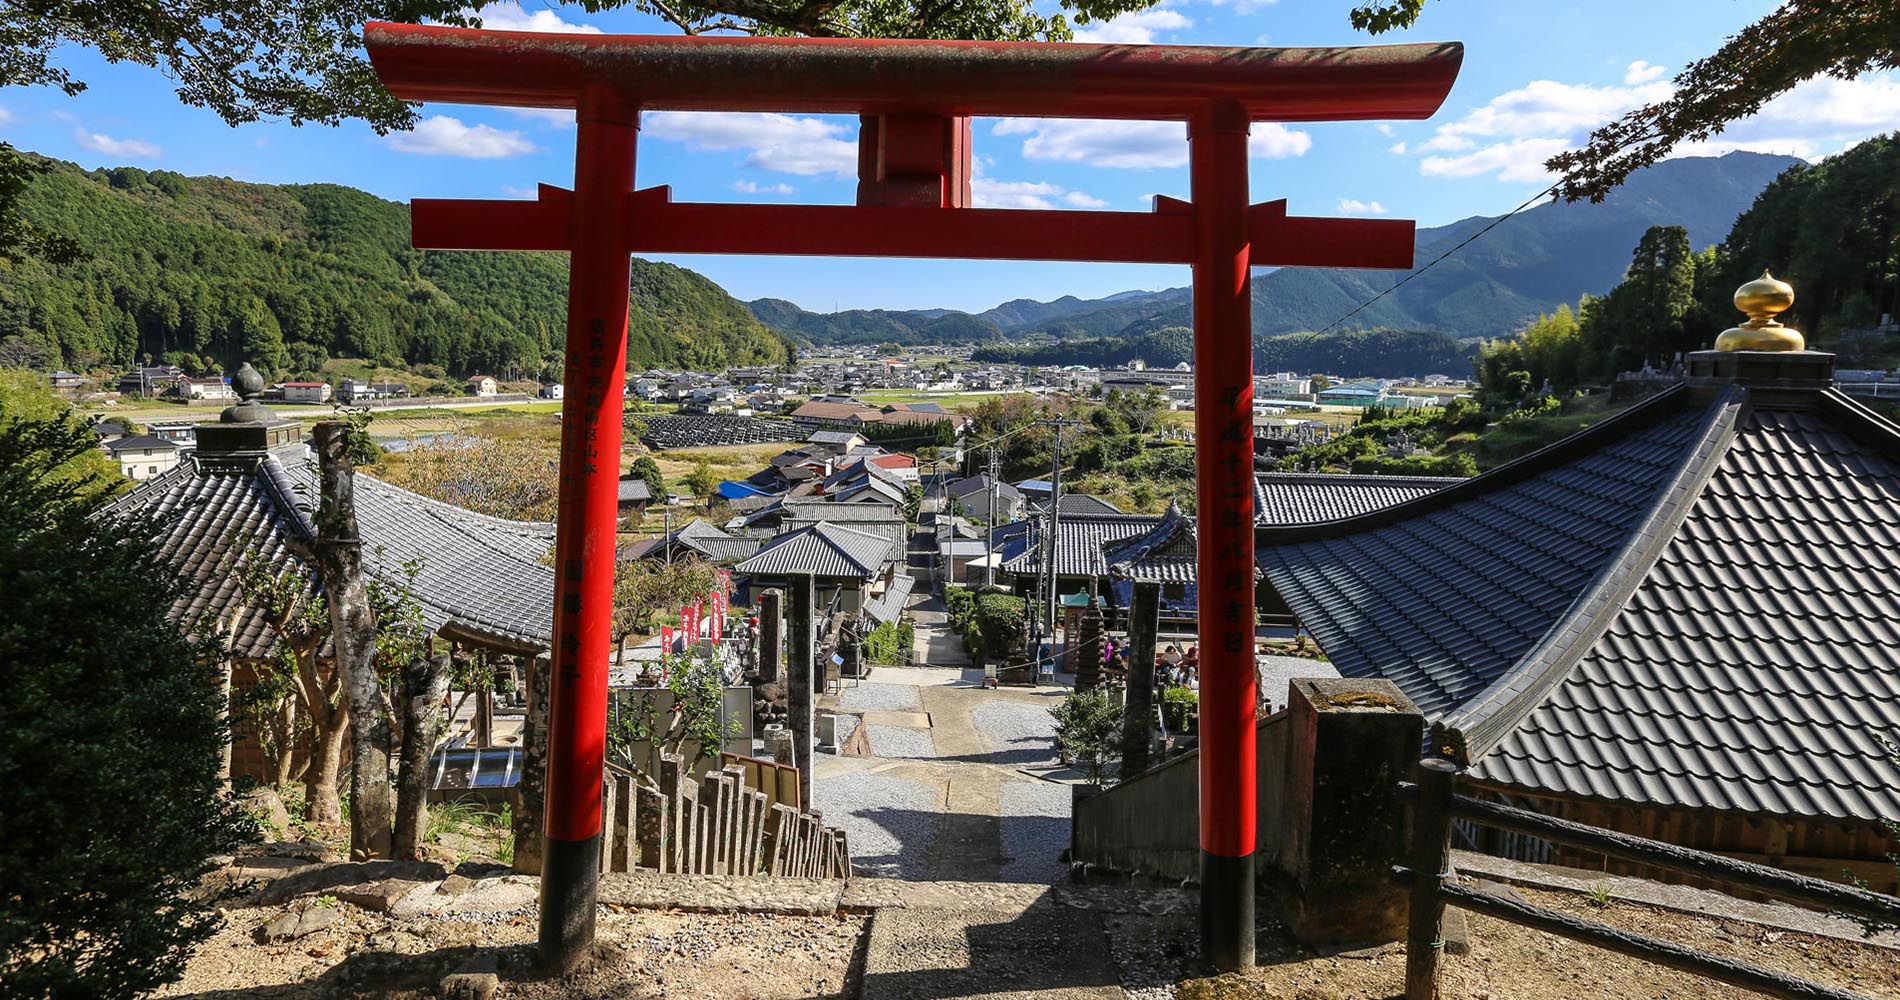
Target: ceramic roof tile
[483,574]
[1446,600]
[1757,661]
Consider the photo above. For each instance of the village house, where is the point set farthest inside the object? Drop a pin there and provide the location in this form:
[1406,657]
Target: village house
[208,389]
[142,456]
[149,381]
[66,382]
[307,392]
[481,385]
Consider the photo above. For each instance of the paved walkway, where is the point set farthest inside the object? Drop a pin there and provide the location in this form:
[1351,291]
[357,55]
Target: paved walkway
[945,794]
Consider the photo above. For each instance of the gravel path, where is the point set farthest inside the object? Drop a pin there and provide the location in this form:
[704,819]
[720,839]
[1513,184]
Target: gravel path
[847,724]
[1017,733]
[870,697]
[1035,830]
[898,741]
[891,822]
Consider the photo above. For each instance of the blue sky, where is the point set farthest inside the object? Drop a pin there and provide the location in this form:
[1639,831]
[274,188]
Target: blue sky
[1536,77]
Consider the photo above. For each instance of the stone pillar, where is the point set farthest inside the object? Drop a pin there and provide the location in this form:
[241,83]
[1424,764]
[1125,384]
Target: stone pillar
[771,635]
[1349,743]
[534,762]
[1085,646]
[1144,626]
[799,695]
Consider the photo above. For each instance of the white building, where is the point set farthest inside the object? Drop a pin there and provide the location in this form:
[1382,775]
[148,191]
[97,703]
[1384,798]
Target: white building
[555,391]
[210,387]
[306,392]
[143,456]
[1281,386]
[482,385]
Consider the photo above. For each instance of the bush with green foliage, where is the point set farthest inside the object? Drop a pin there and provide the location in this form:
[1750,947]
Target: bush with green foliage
[1177,703]
[1089,730]
[115,721]
[996,625]
[889,643]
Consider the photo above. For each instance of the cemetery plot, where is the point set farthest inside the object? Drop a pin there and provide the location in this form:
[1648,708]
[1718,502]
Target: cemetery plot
[702,431]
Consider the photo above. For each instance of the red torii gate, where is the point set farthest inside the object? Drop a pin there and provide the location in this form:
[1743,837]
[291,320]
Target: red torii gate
[915,100]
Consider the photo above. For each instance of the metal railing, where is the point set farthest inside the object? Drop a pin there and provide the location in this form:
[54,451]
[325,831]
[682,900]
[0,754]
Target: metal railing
[1436,804]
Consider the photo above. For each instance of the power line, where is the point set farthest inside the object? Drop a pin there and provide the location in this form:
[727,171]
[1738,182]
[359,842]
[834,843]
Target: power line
[1467,241]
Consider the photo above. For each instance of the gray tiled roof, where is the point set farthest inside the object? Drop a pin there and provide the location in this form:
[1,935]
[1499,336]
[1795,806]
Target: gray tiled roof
[1308,497]
[871,518]
[1079,542]
[1446,593]
[717,546]
[1755,665]
[890,604]
[822,549]
[482,575]
[1164,553]
[1696,604]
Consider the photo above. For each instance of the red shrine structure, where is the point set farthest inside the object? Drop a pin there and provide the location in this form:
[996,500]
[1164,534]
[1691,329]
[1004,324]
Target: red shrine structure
[915,100]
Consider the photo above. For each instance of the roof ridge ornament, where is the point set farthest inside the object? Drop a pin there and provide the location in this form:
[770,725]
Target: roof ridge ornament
[1762,299]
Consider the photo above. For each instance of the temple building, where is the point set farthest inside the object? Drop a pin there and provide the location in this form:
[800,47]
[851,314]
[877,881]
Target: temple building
[246,495]
[1683,622]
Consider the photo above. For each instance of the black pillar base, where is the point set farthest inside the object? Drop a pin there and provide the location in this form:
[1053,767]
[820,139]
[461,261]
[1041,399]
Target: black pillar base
[570,881]
[1227,916]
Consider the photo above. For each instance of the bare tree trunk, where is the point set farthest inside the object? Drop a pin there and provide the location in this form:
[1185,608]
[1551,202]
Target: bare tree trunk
[425,684]
[353,630]
[319,783]
[283,726]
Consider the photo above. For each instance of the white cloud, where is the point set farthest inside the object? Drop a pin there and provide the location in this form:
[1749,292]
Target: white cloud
[1643,72]
[754,187]
[782,143]
[1541,108]
[1134,145]
[1082,199]
[1514,161]
[5,116]
[1353,206]
[441,135]
[1514,132]
[1386,130]
[99,142]
[1397,149]
[510,17]
[1135,28]
[516,191]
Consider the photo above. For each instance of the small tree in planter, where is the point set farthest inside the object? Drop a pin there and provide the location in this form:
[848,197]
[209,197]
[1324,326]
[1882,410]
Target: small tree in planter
[1088,729]
[1177,705]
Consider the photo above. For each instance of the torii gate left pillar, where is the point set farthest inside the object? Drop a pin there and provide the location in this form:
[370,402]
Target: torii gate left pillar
[915,99]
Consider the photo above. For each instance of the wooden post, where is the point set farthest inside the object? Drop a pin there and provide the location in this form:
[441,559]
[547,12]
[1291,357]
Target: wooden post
[1430,859]
[799,685]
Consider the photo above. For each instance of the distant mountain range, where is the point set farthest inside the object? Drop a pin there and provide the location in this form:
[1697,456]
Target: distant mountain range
[1546,255]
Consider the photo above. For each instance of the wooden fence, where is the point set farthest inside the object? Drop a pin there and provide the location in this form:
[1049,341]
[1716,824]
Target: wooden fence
[1436,805]
[737,820]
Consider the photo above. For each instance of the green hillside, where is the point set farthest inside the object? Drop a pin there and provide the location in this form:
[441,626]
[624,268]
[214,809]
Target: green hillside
[1543,257]
[286,276]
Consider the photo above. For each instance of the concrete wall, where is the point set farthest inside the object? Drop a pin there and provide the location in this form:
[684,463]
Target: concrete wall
[1151,825]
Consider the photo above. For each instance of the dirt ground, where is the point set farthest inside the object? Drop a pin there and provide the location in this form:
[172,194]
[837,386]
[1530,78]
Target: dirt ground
[1508,962]
[643,954]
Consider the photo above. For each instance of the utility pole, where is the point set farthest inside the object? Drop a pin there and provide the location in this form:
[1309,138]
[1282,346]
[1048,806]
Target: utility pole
[989,554]
[1055,516]
[668,513]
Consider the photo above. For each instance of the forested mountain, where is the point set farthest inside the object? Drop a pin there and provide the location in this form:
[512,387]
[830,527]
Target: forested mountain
[1377,353]
[285,276]
[1529,264]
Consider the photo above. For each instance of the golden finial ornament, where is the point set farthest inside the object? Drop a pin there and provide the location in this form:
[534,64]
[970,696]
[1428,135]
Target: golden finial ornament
[1762,299]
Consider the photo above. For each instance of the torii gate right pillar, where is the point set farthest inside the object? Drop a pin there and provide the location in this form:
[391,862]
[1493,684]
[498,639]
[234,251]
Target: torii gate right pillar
[1223,431]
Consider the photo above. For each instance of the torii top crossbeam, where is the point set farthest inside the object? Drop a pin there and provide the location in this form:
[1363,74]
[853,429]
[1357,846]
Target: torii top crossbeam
[903,76]
[915,100]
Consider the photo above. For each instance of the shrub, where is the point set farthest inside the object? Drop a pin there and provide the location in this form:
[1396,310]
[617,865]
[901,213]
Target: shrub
[114,720]
[1177,703]
[997,621]
[1089,729]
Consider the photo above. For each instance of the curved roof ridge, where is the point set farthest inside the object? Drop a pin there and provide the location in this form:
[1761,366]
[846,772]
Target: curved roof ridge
[1492,713]
[1616,425]
[1356,478]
